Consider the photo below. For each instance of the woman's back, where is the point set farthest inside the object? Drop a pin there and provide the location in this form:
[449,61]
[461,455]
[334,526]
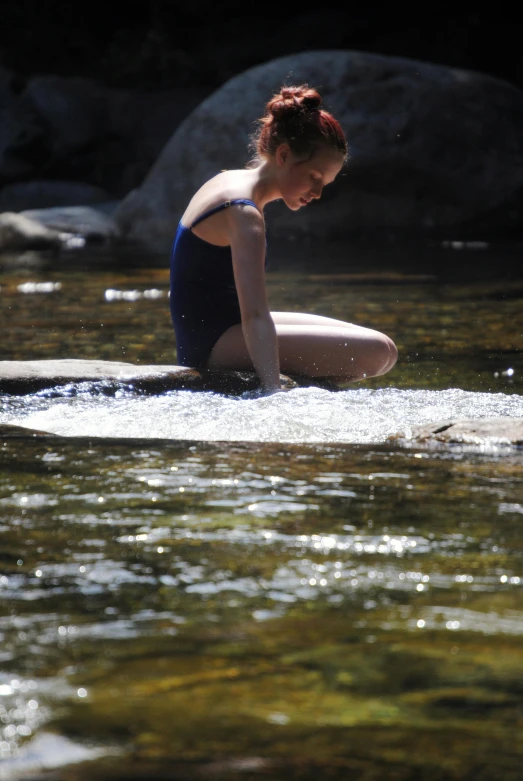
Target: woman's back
[222,188]
[202,274]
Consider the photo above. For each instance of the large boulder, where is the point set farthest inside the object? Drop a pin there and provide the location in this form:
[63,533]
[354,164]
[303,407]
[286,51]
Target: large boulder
[431,148]
[45,128]
[6,87]
[24,143]
[139,124]
[76,129]
[46,193]
[72,109]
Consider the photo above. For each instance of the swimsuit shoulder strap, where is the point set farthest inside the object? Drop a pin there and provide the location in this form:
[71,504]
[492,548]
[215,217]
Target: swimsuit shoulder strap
[221,206]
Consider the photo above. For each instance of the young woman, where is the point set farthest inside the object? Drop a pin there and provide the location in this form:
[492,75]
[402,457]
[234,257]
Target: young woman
[218,301]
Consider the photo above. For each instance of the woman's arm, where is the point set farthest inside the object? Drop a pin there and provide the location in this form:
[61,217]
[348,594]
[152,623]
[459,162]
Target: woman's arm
[247,235]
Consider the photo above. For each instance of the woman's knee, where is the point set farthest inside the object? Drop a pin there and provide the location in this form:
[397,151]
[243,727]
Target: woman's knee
[382,356]
[393,354]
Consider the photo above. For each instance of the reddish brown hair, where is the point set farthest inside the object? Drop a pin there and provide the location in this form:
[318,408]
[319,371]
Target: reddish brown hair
[294,116]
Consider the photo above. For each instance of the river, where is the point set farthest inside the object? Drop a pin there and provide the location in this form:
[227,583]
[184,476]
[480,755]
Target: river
[201,586]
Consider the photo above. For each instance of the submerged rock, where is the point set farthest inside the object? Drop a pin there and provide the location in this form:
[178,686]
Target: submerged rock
[430,147]
[486,431]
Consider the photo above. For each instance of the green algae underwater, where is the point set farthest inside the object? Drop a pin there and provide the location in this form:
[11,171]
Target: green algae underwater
[186,610]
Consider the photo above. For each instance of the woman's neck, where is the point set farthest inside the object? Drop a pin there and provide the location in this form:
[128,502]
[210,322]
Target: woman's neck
[266,187]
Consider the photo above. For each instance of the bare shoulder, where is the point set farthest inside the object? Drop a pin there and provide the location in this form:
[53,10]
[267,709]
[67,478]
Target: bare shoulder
[244,217]
[222,188]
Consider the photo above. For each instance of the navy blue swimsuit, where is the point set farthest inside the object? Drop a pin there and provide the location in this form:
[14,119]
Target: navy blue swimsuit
[204,301]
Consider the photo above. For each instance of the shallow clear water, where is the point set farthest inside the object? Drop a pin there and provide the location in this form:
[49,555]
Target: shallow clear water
[187,602]
[456,316]
[198,586]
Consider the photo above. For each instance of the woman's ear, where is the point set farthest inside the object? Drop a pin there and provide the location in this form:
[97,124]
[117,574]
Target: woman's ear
[282,155]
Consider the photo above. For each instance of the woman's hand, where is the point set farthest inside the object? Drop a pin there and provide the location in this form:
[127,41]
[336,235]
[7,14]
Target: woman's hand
[272,391]
[285,384]
[259,393]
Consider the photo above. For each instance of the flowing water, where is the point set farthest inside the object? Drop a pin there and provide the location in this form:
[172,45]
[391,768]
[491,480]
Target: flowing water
[301,415]
[196,586]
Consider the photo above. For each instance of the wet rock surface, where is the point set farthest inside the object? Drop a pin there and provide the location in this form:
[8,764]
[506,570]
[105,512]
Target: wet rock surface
[22,377]
[94,224]
[430,147]
[487,431]
[20,232]
[58,228]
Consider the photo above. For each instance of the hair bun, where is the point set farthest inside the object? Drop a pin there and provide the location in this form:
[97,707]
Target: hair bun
[292,101]
[295,116]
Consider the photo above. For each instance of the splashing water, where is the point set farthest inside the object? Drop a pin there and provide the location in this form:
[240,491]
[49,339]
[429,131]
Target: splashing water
[301,415]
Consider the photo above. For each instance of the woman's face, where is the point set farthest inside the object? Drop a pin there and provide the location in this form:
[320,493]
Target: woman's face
[302,180]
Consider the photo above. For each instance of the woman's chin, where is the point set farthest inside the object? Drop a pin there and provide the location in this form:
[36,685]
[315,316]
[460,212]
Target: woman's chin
[295,204]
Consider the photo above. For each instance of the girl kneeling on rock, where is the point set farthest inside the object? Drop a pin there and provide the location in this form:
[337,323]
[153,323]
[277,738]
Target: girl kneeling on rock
[219,305]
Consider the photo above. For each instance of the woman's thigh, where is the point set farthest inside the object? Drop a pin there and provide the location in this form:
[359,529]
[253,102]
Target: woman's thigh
[300,318]
[316,346]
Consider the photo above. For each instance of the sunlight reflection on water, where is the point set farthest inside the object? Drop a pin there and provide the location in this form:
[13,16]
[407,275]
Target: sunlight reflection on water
[301,415]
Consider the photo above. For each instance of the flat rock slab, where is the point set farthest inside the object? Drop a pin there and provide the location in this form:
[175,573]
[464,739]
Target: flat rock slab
[22,377]
[10,431]
[92,223]
[19,232]
[485,431]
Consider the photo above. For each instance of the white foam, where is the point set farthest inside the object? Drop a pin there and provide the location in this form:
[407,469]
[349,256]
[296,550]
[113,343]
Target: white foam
[301,415]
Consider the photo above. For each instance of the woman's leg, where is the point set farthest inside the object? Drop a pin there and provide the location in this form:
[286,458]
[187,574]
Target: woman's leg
[299,318]
[314,346]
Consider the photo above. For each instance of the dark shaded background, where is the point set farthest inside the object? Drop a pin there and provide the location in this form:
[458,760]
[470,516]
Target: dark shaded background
[163,44]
